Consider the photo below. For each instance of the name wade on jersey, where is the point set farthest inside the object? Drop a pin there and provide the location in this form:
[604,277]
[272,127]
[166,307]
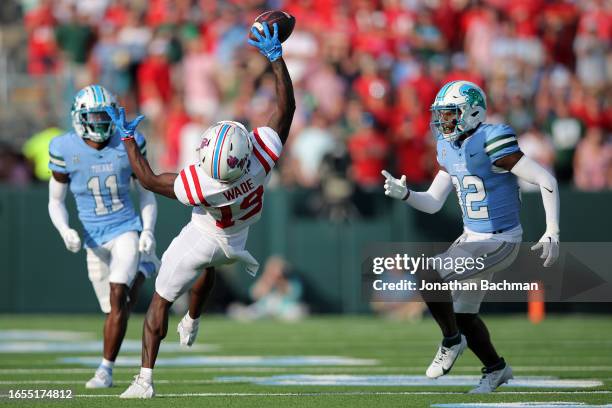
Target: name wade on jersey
[237,191]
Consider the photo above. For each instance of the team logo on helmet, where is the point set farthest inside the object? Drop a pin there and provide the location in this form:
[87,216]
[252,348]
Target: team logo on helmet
[474,98]
[234,162]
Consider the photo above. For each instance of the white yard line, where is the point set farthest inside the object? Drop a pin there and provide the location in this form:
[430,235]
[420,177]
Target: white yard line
[349,393]
[77,382]
[9,371]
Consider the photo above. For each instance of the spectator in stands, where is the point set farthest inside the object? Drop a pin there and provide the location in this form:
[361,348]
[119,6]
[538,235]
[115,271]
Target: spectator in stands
[368,149]
[276,294]
[308,148]
[593,161]
[36,151]
[14,169]
[75,37]
[537,146]
[111,63]
[42,48]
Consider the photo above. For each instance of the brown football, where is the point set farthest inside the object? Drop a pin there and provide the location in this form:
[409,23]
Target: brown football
[285,22]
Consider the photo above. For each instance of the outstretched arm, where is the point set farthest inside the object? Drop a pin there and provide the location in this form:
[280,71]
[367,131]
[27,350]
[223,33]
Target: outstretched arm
[271,48]
[282,116]
[158,183]
[530,171]
[430,201]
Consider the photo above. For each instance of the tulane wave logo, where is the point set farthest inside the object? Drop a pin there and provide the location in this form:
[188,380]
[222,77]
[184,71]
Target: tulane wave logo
[474,97]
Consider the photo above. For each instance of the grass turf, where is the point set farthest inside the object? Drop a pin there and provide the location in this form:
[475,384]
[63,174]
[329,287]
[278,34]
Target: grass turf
[577,347]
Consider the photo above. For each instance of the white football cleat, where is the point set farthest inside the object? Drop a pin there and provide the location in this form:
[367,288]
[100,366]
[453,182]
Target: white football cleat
[187,331]
[101,379]
[445,358]
[139,389]
[490,381]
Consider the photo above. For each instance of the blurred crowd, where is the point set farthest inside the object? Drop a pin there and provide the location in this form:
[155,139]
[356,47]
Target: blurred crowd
[365,73]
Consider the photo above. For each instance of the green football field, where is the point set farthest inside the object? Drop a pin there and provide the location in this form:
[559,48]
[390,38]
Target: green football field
[322,361]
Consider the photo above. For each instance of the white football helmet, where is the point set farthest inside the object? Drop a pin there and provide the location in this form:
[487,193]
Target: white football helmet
[89,117]
[224,151]
[460,106]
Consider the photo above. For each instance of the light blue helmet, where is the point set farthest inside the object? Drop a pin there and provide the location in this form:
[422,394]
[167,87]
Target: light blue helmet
[468,103]
[89,117]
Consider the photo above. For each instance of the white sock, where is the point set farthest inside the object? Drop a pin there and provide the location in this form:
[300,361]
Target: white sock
[146,374]
[107,365]
[189,321]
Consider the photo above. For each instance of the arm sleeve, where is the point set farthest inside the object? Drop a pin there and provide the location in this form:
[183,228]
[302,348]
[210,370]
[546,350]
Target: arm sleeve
[501,142]
[431,201]
[267,146]
[148,207]
[56,157]
[530,171]
[187,187]
[57,206]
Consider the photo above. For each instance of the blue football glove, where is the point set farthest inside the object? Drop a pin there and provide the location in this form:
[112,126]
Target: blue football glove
[126,129]
[268,45]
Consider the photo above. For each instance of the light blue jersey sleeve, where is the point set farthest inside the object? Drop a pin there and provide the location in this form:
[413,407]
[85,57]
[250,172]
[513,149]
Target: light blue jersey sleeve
[57,161]
[500,141]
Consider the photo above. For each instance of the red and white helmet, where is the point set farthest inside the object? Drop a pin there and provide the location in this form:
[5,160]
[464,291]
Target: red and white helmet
[224,151]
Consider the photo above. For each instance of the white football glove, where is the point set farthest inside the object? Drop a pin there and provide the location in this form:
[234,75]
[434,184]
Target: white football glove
[71,240]
[395,188]
[550,247]
[146,243]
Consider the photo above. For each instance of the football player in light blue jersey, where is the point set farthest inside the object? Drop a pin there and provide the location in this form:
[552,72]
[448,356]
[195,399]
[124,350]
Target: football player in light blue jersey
[92,162]
[482,162]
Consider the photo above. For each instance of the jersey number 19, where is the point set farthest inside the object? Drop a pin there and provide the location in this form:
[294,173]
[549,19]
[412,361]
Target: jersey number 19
[253,201]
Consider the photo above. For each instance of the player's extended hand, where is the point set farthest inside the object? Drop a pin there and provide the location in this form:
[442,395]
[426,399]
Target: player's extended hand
[395,188]
[146,243]
[126,128]
[71,240]
[549,243]
[268,45]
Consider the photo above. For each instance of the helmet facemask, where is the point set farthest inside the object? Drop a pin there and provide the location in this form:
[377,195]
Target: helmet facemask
[447,122]
[97,124]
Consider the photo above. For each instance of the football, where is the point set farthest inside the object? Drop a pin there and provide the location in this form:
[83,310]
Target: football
[285,22]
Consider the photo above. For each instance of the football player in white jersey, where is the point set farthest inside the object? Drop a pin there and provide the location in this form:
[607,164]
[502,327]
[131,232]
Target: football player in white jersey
[226,187]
